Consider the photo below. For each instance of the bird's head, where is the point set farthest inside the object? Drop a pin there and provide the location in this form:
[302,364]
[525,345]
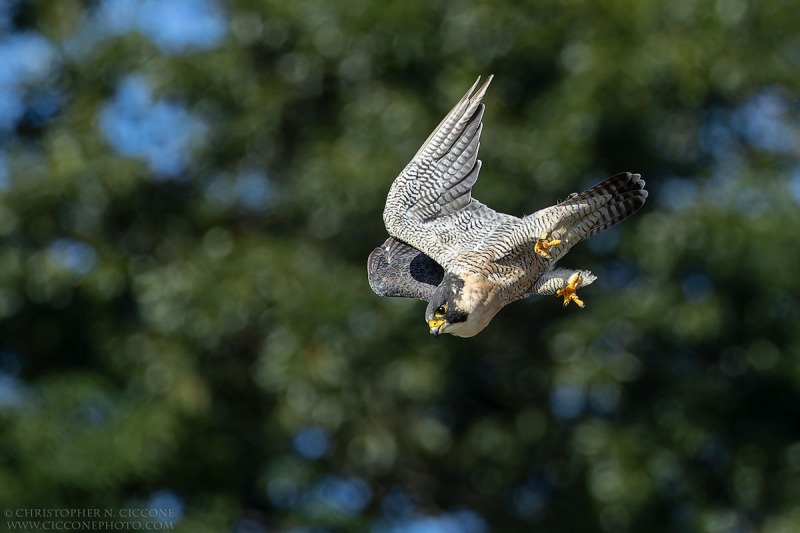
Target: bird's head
[462,305]
[444,313]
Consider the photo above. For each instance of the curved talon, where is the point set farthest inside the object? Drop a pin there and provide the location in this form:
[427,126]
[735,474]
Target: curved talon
[543,244]
[568,292]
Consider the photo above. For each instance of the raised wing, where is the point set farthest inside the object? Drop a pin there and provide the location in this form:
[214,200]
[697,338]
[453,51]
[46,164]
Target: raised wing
[397,269]
[430,204]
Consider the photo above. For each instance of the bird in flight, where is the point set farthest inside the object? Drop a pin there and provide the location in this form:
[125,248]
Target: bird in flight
[464,258]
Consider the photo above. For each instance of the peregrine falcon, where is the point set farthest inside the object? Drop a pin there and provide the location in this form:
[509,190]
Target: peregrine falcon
[467,260]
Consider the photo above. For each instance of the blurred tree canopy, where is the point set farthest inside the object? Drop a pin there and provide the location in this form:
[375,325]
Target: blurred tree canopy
[188,193]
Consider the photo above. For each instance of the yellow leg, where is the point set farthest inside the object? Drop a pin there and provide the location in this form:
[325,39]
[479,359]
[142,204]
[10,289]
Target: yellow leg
[568,292]
[543,245]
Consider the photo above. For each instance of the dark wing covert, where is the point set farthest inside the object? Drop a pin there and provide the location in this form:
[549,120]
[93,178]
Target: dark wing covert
[398,269]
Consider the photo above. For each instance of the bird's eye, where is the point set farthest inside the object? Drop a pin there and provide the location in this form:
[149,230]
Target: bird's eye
[440,311]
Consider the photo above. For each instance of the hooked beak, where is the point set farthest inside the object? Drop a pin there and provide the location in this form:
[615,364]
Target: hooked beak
[437,326]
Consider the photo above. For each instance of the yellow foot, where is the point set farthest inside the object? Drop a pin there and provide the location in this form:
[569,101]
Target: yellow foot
[542,245]
[568,292]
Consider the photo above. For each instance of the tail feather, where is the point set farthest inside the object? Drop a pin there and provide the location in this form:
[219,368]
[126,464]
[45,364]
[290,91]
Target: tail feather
[604,205]
[588,213]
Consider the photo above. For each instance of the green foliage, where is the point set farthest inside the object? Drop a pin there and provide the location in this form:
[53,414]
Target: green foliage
[199,330]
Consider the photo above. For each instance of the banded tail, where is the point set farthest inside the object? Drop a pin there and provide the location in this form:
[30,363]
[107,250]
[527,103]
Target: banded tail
[596,209]
[610,202]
